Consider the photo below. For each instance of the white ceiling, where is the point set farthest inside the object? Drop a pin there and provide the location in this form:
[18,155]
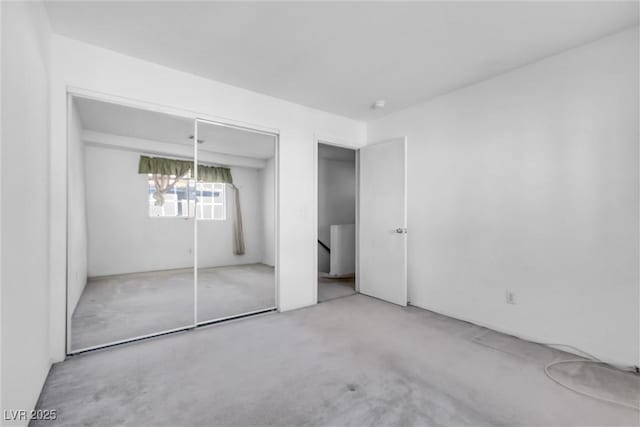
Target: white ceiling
[130,122]
[340,57]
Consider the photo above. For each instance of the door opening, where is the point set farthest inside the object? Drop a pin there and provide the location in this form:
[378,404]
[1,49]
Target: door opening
[336,221]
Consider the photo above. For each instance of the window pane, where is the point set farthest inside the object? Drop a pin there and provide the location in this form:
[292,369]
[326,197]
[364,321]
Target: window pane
[218,211]
[170,205]
[207,212]
[155,210]
[218,194]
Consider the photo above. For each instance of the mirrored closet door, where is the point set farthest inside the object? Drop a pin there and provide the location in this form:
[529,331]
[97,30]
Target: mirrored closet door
[235,221]
[131,207]
[156,244]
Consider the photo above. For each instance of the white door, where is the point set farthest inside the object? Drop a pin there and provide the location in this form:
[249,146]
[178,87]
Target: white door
[382,236]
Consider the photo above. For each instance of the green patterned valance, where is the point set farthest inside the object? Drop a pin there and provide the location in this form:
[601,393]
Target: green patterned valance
[214,174]
[164,166]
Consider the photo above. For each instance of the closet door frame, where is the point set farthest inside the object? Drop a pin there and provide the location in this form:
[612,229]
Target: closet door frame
[73,92]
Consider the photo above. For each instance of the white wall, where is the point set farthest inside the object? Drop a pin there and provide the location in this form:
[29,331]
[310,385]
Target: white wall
[336,201]
[25,203]
[79,65]
[343,250]
[267,177]
[336,192]
[124,239]
[529,182]
[77,240]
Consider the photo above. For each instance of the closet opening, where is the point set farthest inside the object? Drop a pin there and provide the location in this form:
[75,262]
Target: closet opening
[336,221]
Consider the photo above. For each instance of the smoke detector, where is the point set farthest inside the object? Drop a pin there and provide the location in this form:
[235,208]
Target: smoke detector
[380,103]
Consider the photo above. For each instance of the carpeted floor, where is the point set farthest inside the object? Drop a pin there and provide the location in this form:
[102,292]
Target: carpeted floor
[329,289]
[126,306]
[353,361]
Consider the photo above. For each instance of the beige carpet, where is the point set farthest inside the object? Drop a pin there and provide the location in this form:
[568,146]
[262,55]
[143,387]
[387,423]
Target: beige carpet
[122,307]
[329,289]
[353,361]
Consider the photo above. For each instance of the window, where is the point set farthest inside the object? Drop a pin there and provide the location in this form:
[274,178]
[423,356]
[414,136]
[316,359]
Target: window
[211,200]
[180,200]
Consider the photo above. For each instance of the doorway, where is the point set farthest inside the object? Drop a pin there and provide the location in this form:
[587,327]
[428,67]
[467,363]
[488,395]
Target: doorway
[171,223]
[337,189]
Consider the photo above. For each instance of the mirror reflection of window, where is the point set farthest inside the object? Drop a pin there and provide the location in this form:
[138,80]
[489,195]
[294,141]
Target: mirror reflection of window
[180,200]
[211,201]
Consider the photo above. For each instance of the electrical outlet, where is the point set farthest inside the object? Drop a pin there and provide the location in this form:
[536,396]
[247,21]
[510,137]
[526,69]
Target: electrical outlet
[510,297]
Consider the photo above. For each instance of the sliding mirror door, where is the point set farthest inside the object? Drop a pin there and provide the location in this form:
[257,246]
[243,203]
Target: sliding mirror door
[235,221]
[131,206]
[155,244]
